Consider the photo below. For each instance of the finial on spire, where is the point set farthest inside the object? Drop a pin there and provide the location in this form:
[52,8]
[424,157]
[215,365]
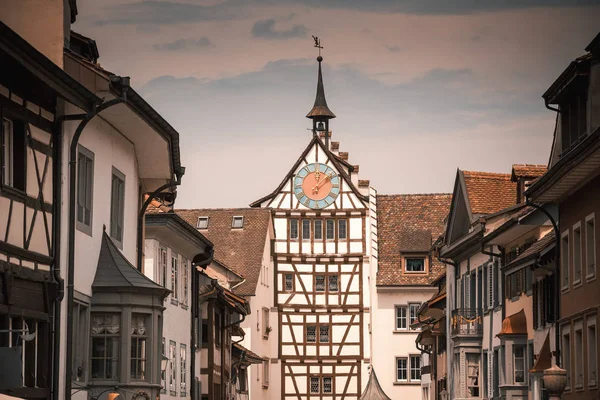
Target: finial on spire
[320,109]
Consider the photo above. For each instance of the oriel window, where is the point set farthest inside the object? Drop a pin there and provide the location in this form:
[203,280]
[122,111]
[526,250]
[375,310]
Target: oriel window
[139,338]
[106,331]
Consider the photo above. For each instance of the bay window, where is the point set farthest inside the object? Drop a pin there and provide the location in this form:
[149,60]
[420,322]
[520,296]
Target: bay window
[139,341]
[106,339]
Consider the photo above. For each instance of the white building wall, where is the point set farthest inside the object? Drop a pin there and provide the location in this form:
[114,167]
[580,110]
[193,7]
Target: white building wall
[110,150]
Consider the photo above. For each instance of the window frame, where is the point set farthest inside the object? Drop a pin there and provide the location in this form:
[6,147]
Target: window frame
[344,222]
[406,260]
[416,307]
[398,369]
[305,227]
[412,357]
[239,218]
[89,192]
[202,222]
[294,234]
[174,278]
[81,348]
[400,318]
[565,267]
[324,331]
[266,373]
[330,384]
[523,361]
[591,322]
[308,335]
[565,337]
[185,282]
[310,384]
[172,368]
[285,281]
[120,218]
[318,232]
[144,358]
[117,360]
[328,222]
[11,184]
[182,370]
[163,374]
[590,273]
[329,282]
[578,332]
[577,254]
[317,286]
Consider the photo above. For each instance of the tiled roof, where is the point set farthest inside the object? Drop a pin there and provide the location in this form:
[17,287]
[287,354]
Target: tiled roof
[489,192]
[535,249]
[241,250]
[398,218]
[528,171]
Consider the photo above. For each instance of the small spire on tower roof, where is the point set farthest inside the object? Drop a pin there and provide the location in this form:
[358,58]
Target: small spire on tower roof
[320,109]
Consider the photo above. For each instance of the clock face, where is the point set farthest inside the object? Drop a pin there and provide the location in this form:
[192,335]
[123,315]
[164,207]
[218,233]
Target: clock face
[316,185]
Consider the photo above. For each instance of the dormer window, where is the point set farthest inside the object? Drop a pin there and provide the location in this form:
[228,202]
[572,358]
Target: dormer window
[573,117]
[202,222]
[237,222]
[414,265]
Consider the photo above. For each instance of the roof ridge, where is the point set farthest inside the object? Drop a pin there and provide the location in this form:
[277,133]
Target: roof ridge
[176,210]
[414,194]
[492,175]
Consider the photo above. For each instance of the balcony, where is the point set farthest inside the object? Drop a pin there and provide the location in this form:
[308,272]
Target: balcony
[467,322]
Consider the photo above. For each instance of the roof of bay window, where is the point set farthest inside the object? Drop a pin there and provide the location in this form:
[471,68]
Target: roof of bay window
[373,391]
[115,272]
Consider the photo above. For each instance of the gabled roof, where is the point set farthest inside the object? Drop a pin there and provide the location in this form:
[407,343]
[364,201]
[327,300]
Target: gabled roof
[527,171]
[241,250]
[115,272]
[373,390]
[332,157]
[489,192]
[409,221]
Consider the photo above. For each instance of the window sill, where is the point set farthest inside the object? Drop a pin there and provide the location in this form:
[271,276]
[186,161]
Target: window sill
[174,302]
[184,306]
[173,393]
[407,383]
[401,331]
[83,228]
[590,278]
[577,284]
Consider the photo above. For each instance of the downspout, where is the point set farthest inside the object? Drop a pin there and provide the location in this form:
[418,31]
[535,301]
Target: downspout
[140,222]
[71,229]
[556,277]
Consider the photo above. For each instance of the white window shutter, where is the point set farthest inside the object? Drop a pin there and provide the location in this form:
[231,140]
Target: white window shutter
[490,373]
[467,303]
[491,274]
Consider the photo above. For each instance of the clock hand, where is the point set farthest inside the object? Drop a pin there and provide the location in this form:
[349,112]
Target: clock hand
[319,185]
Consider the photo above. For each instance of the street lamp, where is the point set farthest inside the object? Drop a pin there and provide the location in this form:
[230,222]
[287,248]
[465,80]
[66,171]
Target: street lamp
[164,362]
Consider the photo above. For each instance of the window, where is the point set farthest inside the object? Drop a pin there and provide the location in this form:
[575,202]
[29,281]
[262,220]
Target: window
[490,286]
[174,278]
[414,311]
[80,330]
[185,279]
[117,206]
[496,373]
[324,333]
[564,262]
[139,338]
[314,385]
[577,254]
[243,379]
[327,384]
[311,334]
[592,339]
[163,374]
[401,322]
[218,332]
[320,283]
[415,368]
[293,229]
[266,326]
[342,231]
[401,370]
[265,382]
[566,353]
[202,223]
[13,154]
[579,357]
[289,282]
[182,370]
[415,264]
[318,229]
[330,229]
[333,283]
[305,229]
[237,222]
[590,246]
[573,121]
[85,184]
[519,363]
[106,331]
[173,367]
[161,272]
[473,375]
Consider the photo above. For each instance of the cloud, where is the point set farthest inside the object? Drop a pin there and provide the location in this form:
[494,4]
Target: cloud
[394,48]
[265,29]
[163,12]
[184,44]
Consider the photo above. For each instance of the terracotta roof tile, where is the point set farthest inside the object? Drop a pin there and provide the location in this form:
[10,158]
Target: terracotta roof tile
[489,192]
[408,221]
[241,250]
[528,171]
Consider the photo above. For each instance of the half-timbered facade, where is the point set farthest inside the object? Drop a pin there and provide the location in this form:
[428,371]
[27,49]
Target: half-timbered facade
[33,94]
[322,252]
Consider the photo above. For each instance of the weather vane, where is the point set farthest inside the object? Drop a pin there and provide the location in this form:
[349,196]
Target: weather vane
[318,44]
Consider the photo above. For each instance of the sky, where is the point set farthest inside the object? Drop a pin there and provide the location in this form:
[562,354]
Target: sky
[420,87]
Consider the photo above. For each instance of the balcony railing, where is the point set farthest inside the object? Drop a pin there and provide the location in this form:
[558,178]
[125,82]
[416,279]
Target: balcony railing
[467,322]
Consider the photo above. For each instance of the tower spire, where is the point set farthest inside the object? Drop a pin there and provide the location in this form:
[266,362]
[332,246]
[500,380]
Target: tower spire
[320,113]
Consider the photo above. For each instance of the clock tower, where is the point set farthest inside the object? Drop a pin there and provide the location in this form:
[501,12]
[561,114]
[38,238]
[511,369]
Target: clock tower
[325,229]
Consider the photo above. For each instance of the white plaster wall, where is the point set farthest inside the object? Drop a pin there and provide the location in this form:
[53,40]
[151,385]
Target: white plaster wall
[110,149]
[387,344]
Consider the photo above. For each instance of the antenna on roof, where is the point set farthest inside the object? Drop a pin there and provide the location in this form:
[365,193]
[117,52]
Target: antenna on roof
[317,44]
